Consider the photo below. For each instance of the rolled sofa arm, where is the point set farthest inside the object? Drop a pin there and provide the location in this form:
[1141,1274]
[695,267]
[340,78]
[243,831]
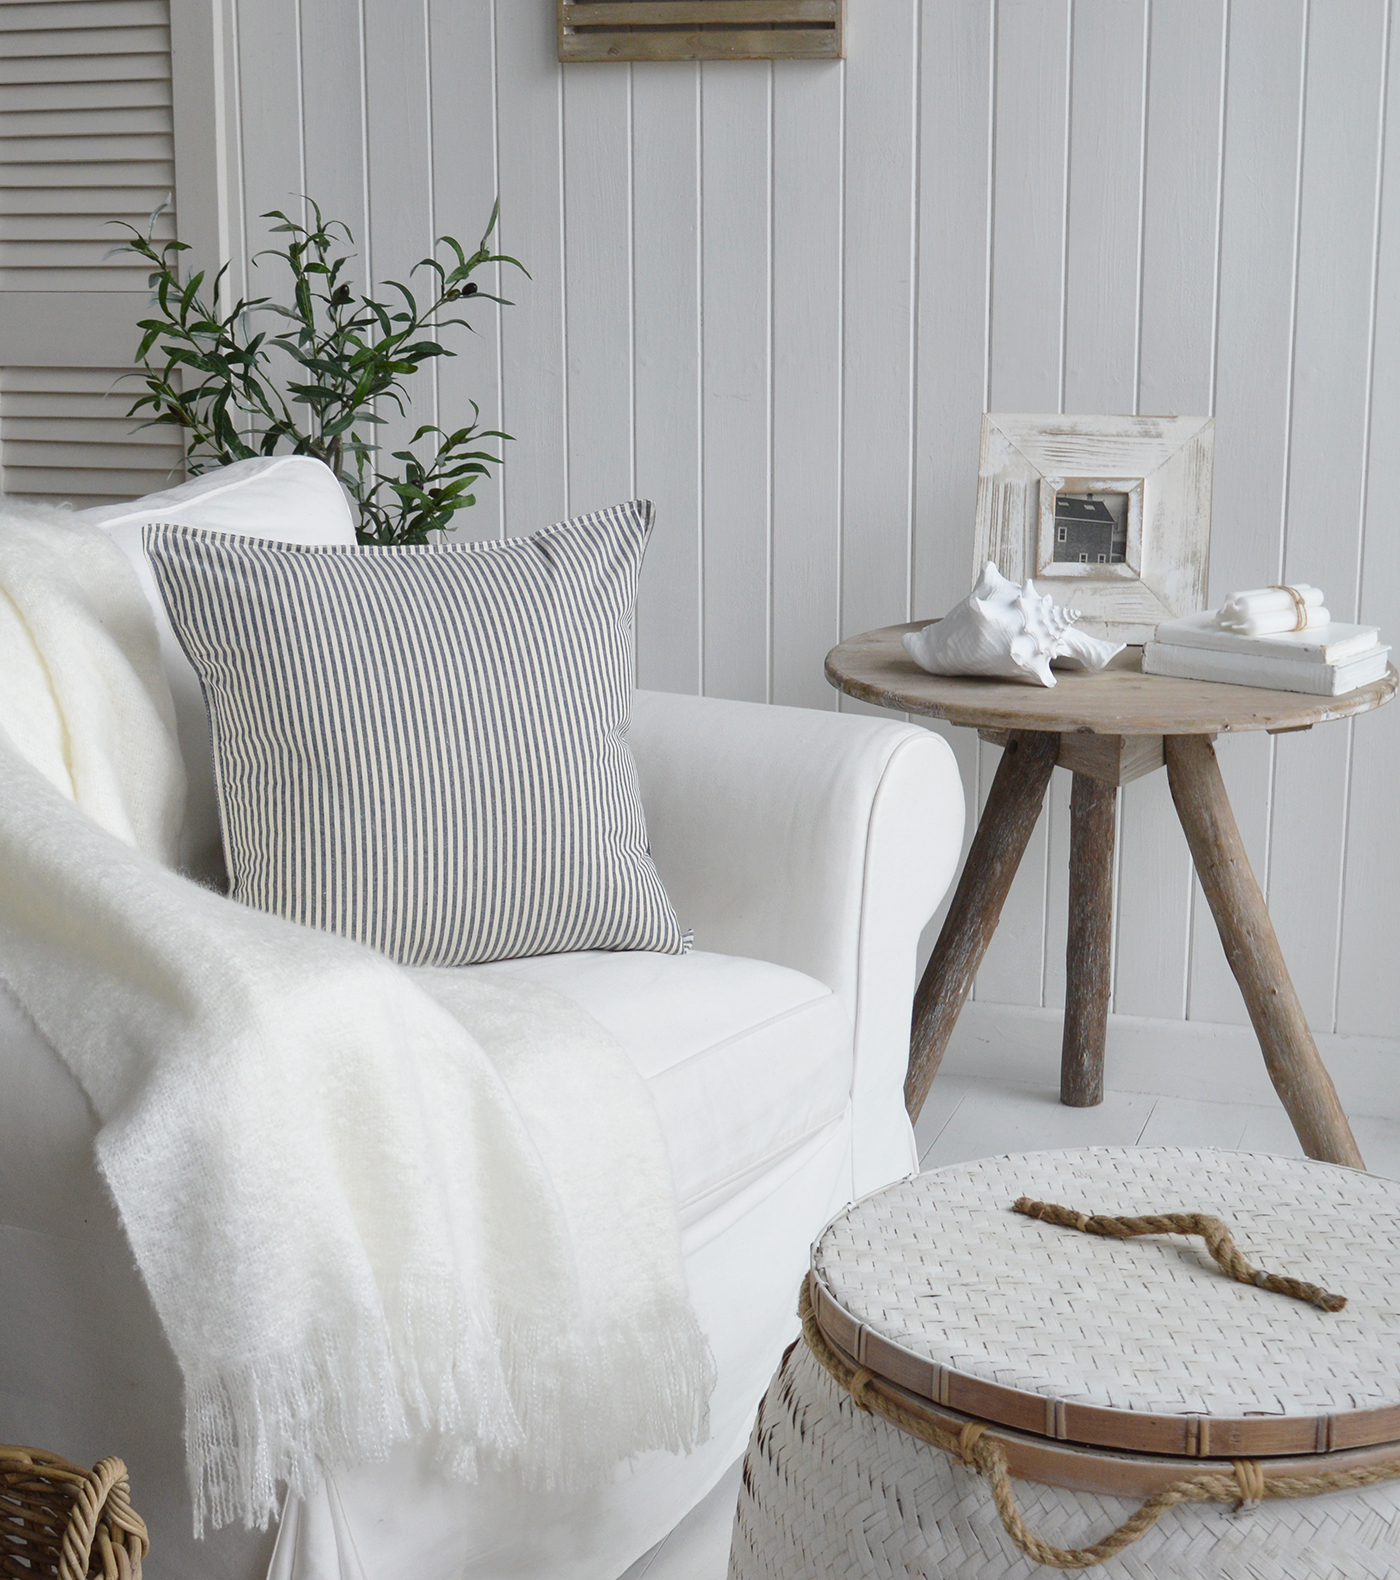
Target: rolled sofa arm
[820,841]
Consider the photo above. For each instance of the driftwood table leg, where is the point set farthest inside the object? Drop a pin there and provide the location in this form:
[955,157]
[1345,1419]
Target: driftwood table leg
[997,847]
[1088,950]
[1251,947]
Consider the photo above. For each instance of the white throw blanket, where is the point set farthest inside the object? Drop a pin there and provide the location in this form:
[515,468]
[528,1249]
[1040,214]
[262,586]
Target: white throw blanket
[368,1204]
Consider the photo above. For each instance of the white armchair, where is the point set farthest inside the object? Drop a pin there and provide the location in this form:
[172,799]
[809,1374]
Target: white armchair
[819,842]
[806,851]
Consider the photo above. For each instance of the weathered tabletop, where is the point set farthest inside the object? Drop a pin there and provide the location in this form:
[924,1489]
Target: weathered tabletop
[1119,700]
[1108,728]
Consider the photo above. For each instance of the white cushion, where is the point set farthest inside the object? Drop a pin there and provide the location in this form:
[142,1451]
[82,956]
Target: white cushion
[745,1060]
[293,498]
[289,498]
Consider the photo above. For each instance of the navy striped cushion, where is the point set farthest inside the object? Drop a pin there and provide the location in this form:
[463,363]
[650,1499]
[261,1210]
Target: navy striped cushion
[423,748]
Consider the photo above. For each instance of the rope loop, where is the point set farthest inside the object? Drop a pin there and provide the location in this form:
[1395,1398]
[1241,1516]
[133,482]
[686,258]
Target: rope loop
[967,1442]
[859,1384]
[1249,1473]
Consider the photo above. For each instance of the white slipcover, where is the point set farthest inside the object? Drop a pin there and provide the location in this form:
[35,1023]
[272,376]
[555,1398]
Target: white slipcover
[806,850]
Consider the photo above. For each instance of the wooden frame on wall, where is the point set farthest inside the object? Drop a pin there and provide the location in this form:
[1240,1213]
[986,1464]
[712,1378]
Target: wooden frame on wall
[701,29]
[1147,478]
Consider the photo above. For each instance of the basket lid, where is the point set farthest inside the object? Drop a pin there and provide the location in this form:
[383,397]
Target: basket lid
[939,1286]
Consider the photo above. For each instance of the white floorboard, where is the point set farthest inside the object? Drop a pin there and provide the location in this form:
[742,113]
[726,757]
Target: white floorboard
[1191,1122]
[969,1117]
[997,1116]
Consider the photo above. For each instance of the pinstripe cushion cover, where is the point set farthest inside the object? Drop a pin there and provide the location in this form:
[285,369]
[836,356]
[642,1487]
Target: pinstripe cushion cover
[422,748]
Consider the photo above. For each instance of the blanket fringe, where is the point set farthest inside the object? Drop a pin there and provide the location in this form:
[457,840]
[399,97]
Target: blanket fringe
[344,1401]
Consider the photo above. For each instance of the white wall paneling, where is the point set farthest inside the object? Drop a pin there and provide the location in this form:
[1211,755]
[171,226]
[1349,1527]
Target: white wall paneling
[598,283]
[1370,941]
[327,144]
[881,289]
[399,154]
[777,296]
[465,181]
[808,174]
[668,434]
[736,305]
[530,157]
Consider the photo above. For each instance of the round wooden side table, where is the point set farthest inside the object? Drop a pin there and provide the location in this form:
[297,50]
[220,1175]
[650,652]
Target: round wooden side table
[1108,728]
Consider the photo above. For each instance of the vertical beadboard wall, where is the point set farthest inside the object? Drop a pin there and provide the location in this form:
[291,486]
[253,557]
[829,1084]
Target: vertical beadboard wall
[777,297]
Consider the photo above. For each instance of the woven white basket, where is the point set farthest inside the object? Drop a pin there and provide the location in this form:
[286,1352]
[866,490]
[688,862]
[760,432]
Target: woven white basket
[939,1277]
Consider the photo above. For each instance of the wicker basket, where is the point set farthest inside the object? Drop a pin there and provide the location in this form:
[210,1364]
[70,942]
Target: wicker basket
[981,1394]
[58,1519]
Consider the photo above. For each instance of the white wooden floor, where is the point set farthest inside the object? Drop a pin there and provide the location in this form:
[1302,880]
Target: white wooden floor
[968,1117]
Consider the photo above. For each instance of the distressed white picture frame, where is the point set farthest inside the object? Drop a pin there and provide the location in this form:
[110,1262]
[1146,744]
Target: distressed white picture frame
[1163,465]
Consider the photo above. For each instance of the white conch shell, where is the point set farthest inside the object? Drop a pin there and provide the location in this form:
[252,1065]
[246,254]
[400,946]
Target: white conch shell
[1006,630]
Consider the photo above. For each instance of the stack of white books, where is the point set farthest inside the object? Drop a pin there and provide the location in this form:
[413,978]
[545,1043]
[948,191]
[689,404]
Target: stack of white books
[1325,660]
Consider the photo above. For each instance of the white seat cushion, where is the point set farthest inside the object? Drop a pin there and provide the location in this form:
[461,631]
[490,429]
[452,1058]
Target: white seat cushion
[745,1060]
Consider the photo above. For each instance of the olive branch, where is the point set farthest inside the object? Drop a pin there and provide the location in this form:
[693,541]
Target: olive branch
[210,372]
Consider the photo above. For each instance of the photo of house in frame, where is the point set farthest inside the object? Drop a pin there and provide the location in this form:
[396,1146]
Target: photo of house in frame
[1091,529]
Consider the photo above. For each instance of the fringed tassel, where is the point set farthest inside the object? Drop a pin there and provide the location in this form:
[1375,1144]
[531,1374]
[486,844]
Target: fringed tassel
[559,1402]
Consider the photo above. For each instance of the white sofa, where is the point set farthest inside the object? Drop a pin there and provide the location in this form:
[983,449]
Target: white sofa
[806,851]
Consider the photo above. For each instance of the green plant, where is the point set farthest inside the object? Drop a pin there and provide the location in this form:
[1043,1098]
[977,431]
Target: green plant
[344,357]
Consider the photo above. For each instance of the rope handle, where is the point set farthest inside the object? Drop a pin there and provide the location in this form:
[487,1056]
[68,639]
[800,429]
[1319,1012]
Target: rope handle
[1213,1231]
[1246,1484]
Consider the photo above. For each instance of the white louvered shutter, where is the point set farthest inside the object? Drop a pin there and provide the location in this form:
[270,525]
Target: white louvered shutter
[86,137]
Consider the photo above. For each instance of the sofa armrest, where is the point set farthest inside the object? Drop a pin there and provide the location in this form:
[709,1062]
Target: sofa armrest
[820,841]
